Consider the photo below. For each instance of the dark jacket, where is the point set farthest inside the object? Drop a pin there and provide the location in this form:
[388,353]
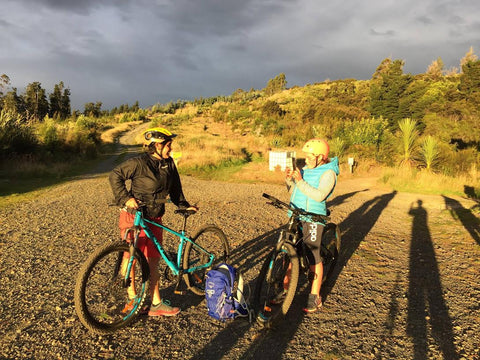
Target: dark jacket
[151,179]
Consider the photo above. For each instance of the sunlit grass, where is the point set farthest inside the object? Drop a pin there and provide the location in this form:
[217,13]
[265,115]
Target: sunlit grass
[111,134]
[424,182]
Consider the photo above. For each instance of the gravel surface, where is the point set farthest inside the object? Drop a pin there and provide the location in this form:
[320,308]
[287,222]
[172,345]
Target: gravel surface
[407,286]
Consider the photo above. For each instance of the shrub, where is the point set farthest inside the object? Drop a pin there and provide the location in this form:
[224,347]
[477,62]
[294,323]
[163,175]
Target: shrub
[16,135]
[337,147]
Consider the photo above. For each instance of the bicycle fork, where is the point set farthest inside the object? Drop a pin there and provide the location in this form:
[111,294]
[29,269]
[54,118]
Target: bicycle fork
[127,279]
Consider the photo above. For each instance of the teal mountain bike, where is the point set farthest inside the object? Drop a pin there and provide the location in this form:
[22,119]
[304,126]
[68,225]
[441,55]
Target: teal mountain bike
[103,280]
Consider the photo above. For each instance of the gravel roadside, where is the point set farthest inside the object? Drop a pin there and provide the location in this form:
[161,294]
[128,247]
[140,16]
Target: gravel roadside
[407,285]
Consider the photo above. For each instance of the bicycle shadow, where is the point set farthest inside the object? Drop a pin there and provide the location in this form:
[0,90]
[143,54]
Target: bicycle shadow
[384,343]
[245,258]
[354,229]
[266,344]
[425,294]
[466,216]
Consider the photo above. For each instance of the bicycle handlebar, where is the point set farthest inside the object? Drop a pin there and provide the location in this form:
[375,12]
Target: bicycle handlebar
[296,211]
[144,204]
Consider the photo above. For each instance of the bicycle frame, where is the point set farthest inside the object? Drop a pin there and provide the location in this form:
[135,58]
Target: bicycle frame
[140,223]
[289,234]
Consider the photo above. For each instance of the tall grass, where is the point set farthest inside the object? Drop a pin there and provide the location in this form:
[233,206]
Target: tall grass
[204,146]
[425,182]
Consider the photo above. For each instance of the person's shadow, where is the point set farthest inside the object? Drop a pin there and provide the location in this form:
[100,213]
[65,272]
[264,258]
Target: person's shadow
[425,295]
[354,229]
[466,217]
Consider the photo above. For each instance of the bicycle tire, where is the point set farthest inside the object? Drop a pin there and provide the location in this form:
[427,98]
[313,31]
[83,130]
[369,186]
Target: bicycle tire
[270,283]
[212,239]
[331,243]
[100,293]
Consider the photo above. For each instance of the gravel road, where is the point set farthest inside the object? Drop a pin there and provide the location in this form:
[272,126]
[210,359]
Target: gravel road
[407,286]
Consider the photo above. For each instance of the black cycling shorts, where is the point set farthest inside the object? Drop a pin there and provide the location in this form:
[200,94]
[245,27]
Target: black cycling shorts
[312,237]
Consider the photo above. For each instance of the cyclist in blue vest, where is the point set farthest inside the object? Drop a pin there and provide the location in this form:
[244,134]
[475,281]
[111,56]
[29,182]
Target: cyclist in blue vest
[311,186]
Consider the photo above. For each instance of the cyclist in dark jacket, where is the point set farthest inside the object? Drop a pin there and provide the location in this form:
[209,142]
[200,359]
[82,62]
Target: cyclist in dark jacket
[153,177]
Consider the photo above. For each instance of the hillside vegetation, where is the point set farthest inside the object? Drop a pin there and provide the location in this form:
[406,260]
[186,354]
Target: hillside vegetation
[416,132]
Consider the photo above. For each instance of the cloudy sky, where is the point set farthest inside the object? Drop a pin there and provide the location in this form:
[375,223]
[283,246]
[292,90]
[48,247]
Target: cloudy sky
[120,51]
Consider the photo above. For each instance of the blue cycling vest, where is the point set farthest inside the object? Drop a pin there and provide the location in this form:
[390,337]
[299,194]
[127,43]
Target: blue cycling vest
[312,177]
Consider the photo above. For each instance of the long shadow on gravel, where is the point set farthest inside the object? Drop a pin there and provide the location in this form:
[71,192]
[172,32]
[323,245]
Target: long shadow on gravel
[341,198]
[268,344]
[354,229]
[271,344]
[425,295]
[247,256]
[466,216]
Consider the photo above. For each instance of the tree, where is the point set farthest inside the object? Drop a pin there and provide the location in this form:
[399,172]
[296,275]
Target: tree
[66,109]
[435,69]
[387,87]
[36,103]
[4,82]
[135,107]
[469,56]
[470,81]
[92,109]
[382,69]
[275,85]
[13,103]
[410,105]
[60,102]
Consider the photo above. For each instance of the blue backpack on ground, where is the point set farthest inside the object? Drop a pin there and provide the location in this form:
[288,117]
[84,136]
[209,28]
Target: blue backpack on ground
[224,294]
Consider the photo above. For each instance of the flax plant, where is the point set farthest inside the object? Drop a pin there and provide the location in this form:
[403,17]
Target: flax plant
[430,151]
[408,128]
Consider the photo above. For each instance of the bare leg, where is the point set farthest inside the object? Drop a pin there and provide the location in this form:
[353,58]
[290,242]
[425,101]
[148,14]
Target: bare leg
[317,269]
[154,276]
[123,269]
[288,275]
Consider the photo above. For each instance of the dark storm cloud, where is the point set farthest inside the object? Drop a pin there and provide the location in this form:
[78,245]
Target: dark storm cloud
[382,33]
[424,20]
[118,51]
[82,7]
[219,18]
[4,23]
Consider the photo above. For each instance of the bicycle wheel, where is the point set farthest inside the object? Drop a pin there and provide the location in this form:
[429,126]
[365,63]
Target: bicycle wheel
[270,300]
[213,240]
[100,291]
[331,242]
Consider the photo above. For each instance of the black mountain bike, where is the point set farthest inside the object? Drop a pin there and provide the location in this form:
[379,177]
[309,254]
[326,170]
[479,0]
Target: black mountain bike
[290,254]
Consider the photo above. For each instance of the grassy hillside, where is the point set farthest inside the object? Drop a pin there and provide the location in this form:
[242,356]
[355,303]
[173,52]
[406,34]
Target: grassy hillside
[228,137]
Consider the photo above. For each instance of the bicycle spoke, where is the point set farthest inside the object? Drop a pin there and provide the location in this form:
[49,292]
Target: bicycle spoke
[213,240]
[101,295]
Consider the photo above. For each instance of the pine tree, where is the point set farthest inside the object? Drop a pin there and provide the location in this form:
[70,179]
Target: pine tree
[387,86]
[36,103]
[13,103]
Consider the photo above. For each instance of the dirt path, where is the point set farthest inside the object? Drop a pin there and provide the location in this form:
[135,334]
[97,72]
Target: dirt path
[407,286]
